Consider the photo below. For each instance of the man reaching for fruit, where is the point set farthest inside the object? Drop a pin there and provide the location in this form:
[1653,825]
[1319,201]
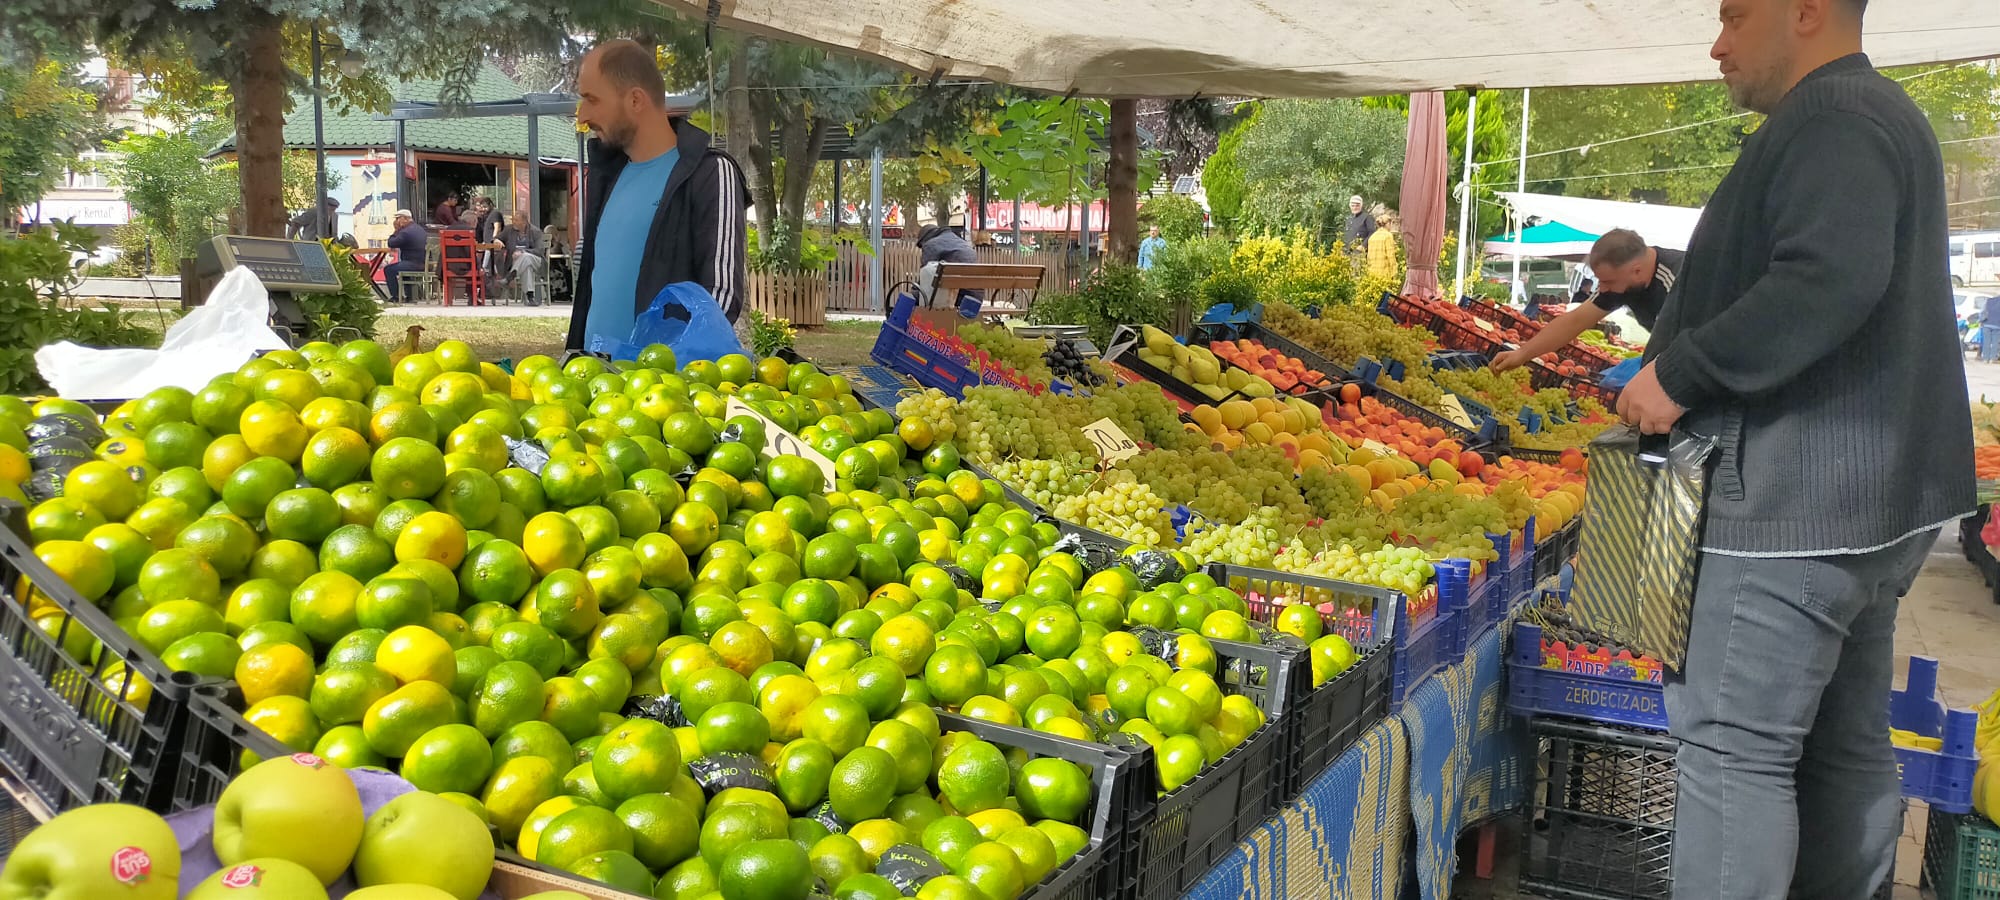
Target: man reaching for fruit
[1812,320]
[1629,273]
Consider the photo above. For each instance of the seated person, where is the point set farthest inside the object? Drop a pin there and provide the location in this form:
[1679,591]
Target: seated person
[523,256]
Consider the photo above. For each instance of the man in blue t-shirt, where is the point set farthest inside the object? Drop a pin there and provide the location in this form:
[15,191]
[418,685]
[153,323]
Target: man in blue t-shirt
[661,206]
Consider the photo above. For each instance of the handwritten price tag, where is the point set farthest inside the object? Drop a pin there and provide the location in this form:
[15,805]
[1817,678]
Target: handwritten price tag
[1455,410]
[1112,444]
[778,441]
[1377,446]
[1485,325]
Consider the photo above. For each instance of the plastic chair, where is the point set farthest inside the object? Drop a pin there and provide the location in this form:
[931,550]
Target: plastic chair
[458,261]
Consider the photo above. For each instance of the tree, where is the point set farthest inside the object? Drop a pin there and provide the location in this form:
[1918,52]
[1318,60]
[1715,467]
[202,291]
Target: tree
[51,119]
[1304,158]
[178,196]
[1179,218]
[243,44]
[1222,174]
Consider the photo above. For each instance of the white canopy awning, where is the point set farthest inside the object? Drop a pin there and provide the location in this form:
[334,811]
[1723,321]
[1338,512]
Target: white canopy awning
[1318,48]
[1661,226]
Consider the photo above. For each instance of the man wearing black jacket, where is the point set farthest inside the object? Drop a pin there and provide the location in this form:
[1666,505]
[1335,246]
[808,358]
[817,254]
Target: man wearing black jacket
[1811,333]
[662,206]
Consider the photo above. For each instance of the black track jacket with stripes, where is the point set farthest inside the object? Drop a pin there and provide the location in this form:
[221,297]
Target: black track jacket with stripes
[698,234]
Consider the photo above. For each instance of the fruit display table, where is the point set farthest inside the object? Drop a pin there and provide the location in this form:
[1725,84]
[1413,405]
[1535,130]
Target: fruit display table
[1451,757]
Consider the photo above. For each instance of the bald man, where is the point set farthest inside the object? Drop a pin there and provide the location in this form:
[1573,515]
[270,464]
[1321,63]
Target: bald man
[662,206]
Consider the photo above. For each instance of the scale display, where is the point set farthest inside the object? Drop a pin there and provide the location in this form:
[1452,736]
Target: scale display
[296,266]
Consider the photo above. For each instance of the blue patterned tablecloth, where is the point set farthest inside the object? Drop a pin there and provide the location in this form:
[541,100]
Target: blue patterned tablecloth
[1451,757]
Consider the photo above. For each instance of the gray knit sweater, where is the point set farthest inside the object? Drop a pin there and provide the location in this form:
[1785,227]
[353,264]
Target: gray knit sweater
[1812,331]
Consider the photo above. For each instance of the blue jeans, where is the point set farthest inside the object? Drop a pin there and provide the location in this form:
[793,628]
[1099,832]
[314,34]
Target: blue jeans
[1788,783]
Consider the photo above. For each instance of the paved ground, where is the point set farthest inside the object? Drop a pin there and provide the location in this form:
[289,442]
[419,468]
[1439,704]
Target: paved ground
[1950,615]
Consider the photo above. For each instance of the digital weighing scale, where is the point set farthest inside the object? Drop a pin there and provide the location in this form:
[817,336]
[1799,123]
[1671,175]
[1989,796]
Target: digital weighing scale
[287,269]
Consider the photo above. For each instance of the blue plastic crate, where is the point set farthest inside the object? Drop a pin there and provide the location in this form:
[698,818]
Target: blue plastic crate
[1941,778]
[929,364]
[1430,646]
[1471,600]
[1535,691]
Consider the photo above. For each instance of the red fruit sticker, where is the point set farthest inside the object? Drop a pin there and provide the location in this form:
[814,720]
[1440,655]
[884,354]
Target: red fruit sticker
[309,760]
[131,865]
[243,876]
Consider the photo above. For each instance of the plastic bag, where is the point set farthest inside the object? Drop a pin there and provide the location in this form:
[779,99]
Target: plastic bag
[1641,540]
[212,340]
[1616,376]
[684,317]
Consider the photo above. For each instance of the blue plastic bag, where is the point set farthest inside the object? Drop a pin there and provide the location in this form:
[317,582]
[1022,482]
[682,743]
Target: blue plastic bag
[1616,376]
[686,318]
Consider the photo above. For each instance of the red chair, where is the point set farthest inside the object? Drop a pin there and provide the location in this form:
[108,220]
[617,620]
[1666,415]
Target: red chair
[459,261]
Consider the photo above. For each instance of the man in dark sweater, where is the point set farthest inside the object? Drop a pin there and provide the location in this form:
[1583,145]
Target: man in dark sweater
[1811,332]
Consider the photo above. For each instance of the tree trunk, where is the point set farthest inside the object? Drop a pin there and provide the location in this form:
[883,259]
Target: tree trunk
[745,143]
[802,143]
[260,125]
[1123,182]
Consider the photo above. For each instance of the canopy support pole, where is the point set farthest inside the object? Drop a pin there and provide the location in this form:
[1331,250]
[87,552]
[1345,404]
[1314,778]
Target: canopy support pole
[402,195]
[875,227]
[1017,225]
[982,196]
[1465,198]
[319,142]
[1521,187]
[534,171]
[837,215]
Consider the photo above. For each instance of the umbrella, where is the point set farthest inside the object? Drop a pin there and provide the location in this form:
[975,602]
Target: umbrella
[1426,156]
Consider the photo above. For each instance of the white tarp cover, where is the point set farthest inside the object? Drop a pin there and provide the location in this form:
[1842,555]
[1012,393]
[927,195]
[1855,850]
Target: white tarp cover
[1317,48]
[1661,226]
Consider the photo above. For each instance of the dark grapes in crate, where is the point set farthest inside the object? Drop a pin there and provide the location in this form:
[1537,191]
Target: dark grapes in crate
[1069,364]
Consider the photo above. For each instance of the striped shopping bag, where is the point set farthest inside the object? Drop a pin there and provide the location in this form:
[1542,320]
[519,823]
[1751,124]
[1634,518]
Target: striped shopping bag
[1641,540]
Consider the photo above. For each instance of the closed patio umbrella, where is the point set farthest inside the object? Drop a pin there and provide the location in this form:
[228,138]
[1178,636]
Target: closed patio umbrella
[1426,157]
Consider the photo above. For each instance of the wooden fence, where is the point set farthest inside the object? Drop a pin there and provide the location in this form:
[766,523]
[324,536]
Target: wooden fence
[847,276]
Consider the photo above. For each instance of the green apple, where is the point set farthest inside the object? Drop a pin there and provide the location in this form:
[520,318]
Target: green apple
[399,892]
[298,808]
[108,850]
[269,878]
[422,838]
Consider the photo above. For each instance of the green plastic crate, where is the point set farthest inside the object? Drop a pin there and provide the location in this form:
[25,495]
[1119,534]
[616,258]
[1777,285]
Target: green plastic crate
[1962,857]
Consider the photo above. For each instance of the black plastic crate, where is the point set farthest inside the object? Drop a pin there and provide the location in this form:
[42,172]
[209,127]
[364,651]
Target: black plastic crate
[1457,335]
[1124,350]
[1121,784]
[77,730]
[1328,719]
[1543,376]
[1557,550]
[1600,820]
[1198,824]
[1468,439]
[1207,332]
[1501,315]
[219,743]
[1089,535]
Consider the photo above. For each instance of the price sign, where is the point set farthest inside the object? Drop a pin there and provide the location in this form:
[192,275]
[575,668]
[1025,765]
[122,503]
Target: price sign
[778,441]
[1485,325]
[1377,446]
[1112,444]
[1455,410]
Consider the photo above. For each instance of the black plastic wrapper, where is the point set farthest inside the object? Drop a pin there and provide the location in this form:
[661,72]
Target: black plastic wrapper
[1272,637]
[61,452]
[1103,723]
[662,709]
[960,578]
[823,814]
[730,434]
[909,867]
[44,485]
[718,772]
[528,455]
[1155,568]
[65,425]
[1163,644]
[992,606]
[1094,558]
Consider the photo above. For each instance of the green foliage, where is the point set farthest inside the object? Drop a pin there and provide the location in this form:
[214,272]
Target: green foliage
[353,308]
[808,252]
[1180,268]
[35,282]
[770,334]
[1177,215]
[1302,159]
[1044,150]
[1113,295]
[48,120]
[1222,175]
[1229,286]
[180,198]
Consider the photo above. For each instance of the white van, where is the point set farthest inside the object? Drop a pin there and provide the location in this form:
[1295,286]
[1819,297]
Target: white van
[1975,258]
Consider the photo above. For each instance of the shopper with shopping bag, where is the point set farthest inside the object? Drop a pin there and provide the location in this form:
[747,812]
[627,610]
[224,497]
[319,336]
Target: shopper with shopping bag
[1811,324]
